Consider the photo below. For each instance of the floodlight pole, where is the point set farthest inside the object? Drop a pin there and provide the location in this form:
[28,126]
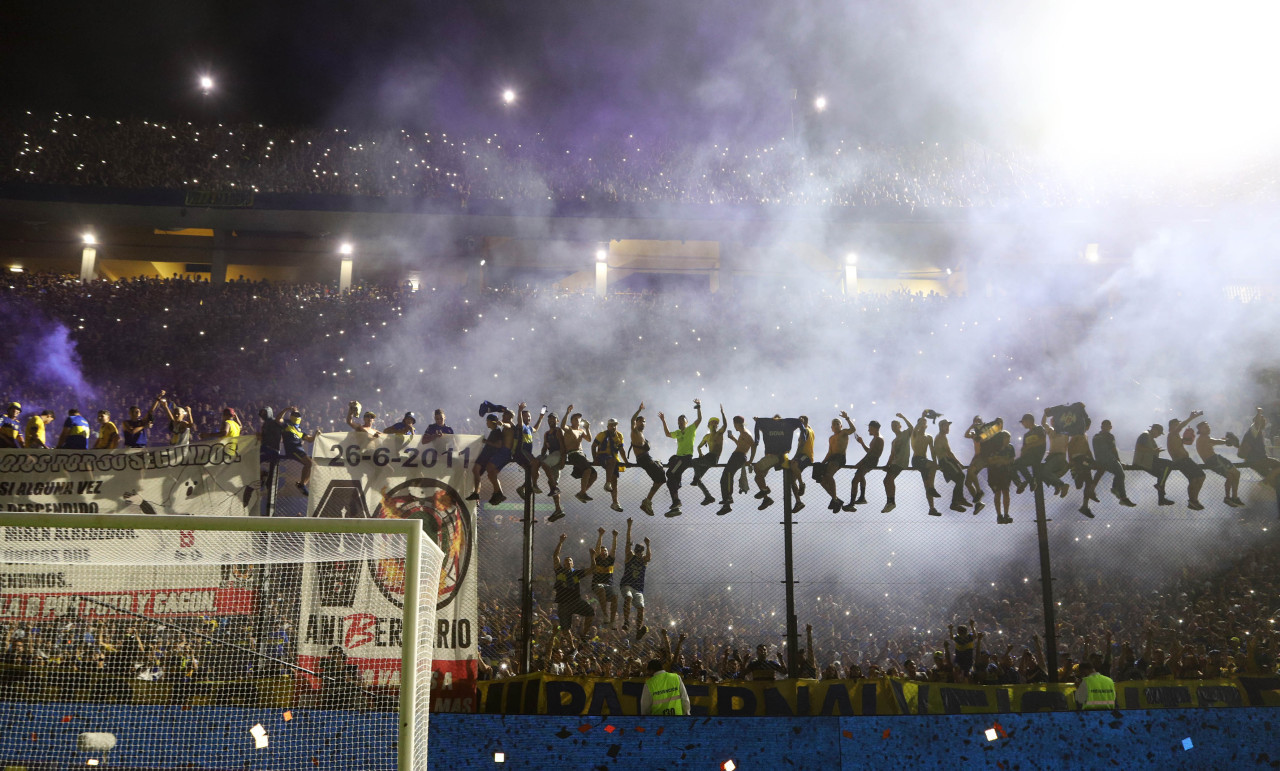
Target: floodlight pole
[788,558]
[526,580]
[1046,579]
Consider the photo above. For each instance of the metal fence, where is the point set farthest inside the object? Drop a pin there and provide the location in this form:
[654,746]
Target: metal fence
[873,586]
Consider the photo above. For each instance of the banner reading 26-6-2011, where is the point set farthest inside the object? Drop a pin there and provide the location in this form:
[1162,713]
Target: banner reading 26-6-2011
[358,476]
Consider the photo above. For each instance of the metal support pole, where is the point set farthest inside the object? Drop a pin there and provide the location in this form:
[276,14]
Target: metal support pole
[526,580]
[1046,580]
[793,634]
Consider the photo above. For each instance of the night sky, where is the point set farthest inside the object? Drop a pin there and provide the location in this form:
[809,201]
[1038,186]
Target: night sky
[715,68]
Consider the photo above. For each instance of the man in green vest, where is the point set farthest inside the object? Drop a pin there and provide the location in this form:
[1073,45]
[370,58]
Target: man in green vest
[1096,690]
[664,692]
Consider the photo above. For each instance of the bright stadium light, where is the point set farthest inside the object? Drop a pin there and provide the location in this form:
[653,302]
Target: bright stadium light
[601,255]
[820,103]
[851,258]
[89,239]
[508,96]
[346,248]
[1158,87]
[206,83]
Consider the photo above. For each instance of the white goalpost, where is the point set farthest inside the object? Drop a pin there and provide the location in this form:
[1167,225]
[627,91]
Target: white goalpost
[245,642]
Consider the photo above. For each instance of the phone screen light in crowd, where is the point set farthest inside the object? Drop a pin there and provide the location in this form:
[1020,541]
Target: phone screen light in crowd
[728,765]
[991,734]
[500,757]
[1186,743]
[15,268]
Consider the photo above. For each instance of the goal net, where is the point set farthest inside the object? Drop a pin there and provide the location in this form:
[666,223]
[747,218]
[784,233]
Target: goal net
[177,642]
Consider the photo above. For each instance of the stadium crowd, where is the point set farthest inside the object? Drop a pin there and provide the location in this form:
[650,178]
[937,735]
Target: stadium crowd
[251,345]
[62,148]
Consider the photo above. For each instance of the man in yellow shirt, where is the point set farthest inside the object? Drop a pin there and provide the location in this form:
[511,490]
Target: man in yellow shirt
[36,439]
[108,434]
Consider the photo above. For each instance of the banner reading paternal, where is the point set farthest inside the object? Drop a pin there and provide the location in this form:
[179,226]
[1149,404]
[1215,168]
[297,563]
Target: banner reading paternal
[357,605]
[218,478]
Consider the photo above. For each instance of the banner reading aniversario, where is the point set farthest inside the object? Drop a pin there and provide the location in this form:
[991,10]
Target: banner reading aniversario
[205,479]
[357,606]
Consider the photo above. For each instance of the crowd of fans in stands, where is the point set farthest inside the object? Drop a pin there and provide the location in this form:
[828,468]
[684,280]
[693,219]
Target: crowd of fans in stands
[252,344]
[63,148]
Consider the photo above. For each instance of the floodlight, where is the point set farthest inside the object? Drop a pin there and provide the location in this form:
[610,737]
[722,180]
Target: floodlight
[206,83]
[820,103]
[89,239]
[346,248]
[851,258]
[508,96]
[601,255]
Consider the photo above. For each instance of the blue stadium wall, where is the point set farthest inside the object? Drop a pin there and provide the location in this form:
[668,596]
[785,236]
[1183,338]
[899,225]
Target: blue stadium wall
[43,737]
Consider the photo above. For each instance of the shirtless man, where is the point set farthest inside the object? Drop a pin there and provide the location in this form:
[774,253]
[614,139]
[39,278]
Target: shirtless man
[870,459]
[744,453]
[1182,460]
[950,466]
[1218,464]
[921,445]
[572,436]
[802,461]
[713,444]
[645,460]
[551,460]
[899,460]
[609,450]
[837,446]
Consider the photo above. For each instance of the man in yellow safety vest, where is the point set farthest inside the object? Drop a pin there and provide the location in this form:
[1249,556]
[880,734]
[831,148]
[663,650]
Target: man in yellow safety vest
[1096,690]
[664,692]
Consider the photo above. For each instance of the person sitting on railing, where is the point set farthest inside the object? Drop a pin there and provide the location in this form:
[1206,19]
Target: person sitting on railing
[1218,464]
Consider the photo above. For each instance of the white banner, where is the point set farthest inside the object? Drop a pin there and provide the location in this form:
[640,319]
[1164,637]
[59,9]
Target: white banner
[206,479]
[358,606]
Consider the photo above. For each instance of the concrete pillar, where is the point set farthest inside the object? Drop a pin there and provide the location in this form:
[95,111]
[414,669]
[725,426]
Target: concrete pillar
[344,275]
[88,264]
[218,259]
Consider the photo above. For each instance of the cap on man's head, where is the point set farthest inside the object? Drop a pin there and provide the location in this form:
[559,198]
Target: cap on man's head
[12,406]
[408,416]
[612,422]
[1030,417]
[713,421]
[944,423]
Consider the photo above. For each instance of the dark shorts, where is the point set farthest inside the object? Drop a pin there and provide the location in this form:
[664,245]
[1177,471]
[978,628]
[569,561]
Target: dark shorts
[951,470]
[893,468]
[523,458]
[482,460]
[575,607]
[579,463]
[1189,468]
[1219,465]
[834,462]
[802,462]
[921,463]
[608,590]
[500,457]
[651,467]
[297,454]
[999,475]
[867,464]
